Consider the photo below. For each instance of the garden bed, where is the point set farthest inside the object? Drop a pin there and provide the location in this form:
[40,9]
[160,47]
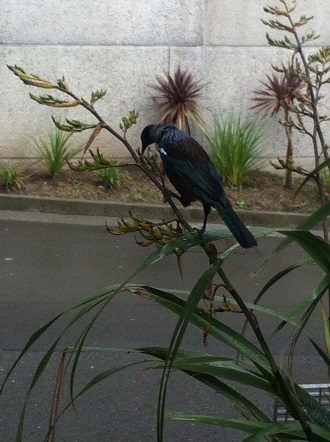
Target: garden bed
[263,192]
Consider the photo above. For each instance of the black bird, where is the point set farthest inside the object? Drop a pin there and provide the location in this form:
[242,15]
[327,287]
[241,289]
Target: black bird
[192,173]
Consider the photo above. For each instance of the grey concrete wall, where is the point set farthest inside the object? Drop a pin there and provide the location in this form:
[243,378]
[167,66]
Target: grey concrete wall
[122,45]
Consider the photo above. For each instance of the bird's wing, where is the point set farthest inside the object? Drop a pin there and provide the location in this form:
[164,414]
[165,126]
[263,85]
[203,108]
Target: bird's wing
[187,149]
[190,161]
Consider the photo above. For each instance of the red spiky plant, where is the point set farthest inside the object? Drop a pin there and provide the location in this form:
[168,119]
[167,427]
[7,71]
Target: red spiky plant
[279,92]
[177,99]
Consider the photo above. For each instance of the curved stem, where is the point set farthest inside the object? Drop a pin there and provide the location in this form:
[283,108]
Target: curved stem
[315,115]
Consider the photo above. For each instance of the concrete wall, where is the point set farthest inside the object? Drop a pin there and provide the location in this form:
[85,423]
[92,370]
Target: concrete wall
[122,45]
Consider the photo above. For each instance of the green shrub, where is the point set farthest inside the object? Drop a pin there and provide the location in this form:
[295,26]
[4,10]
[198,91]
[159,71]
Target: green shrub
[325,175]
[110,175]
[235,148]
[55,150]
[11,177]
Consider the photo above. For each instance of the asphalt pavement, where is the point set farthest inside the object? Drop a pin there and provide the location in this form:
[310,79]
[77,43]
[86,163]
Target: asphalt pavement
[49,262]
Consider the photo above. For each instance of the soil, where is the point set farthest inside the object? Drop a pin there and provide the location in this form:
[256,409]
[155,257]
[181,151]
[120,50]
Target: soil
[264,191]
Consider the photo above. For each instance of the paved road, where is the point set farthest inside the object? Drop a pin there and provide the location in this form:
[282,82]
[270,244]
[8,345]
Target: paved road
[46,267]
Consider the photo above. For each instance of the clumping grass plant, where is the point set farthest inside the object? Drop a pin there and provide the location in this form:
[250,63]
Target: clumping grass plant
[325,176]
[235,148]
[11,177]
[110,175]
[55,150]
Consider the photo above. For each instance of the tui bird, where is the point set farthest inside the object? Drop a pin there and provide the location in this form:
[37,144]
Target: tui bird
[190,170]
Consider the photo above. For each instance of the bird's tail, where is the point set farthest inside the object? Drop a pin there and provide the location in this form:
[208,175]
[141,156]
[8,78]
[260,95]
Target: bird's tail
[234,223]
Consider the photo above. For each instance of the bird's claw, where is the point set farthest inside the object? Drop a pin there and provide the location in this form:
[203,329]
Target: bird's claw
[168,194]
[201,234]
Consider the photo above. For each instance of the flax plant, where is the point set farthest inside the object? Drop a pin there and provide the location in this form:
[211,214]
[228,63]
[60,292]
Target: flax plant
[256,369]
